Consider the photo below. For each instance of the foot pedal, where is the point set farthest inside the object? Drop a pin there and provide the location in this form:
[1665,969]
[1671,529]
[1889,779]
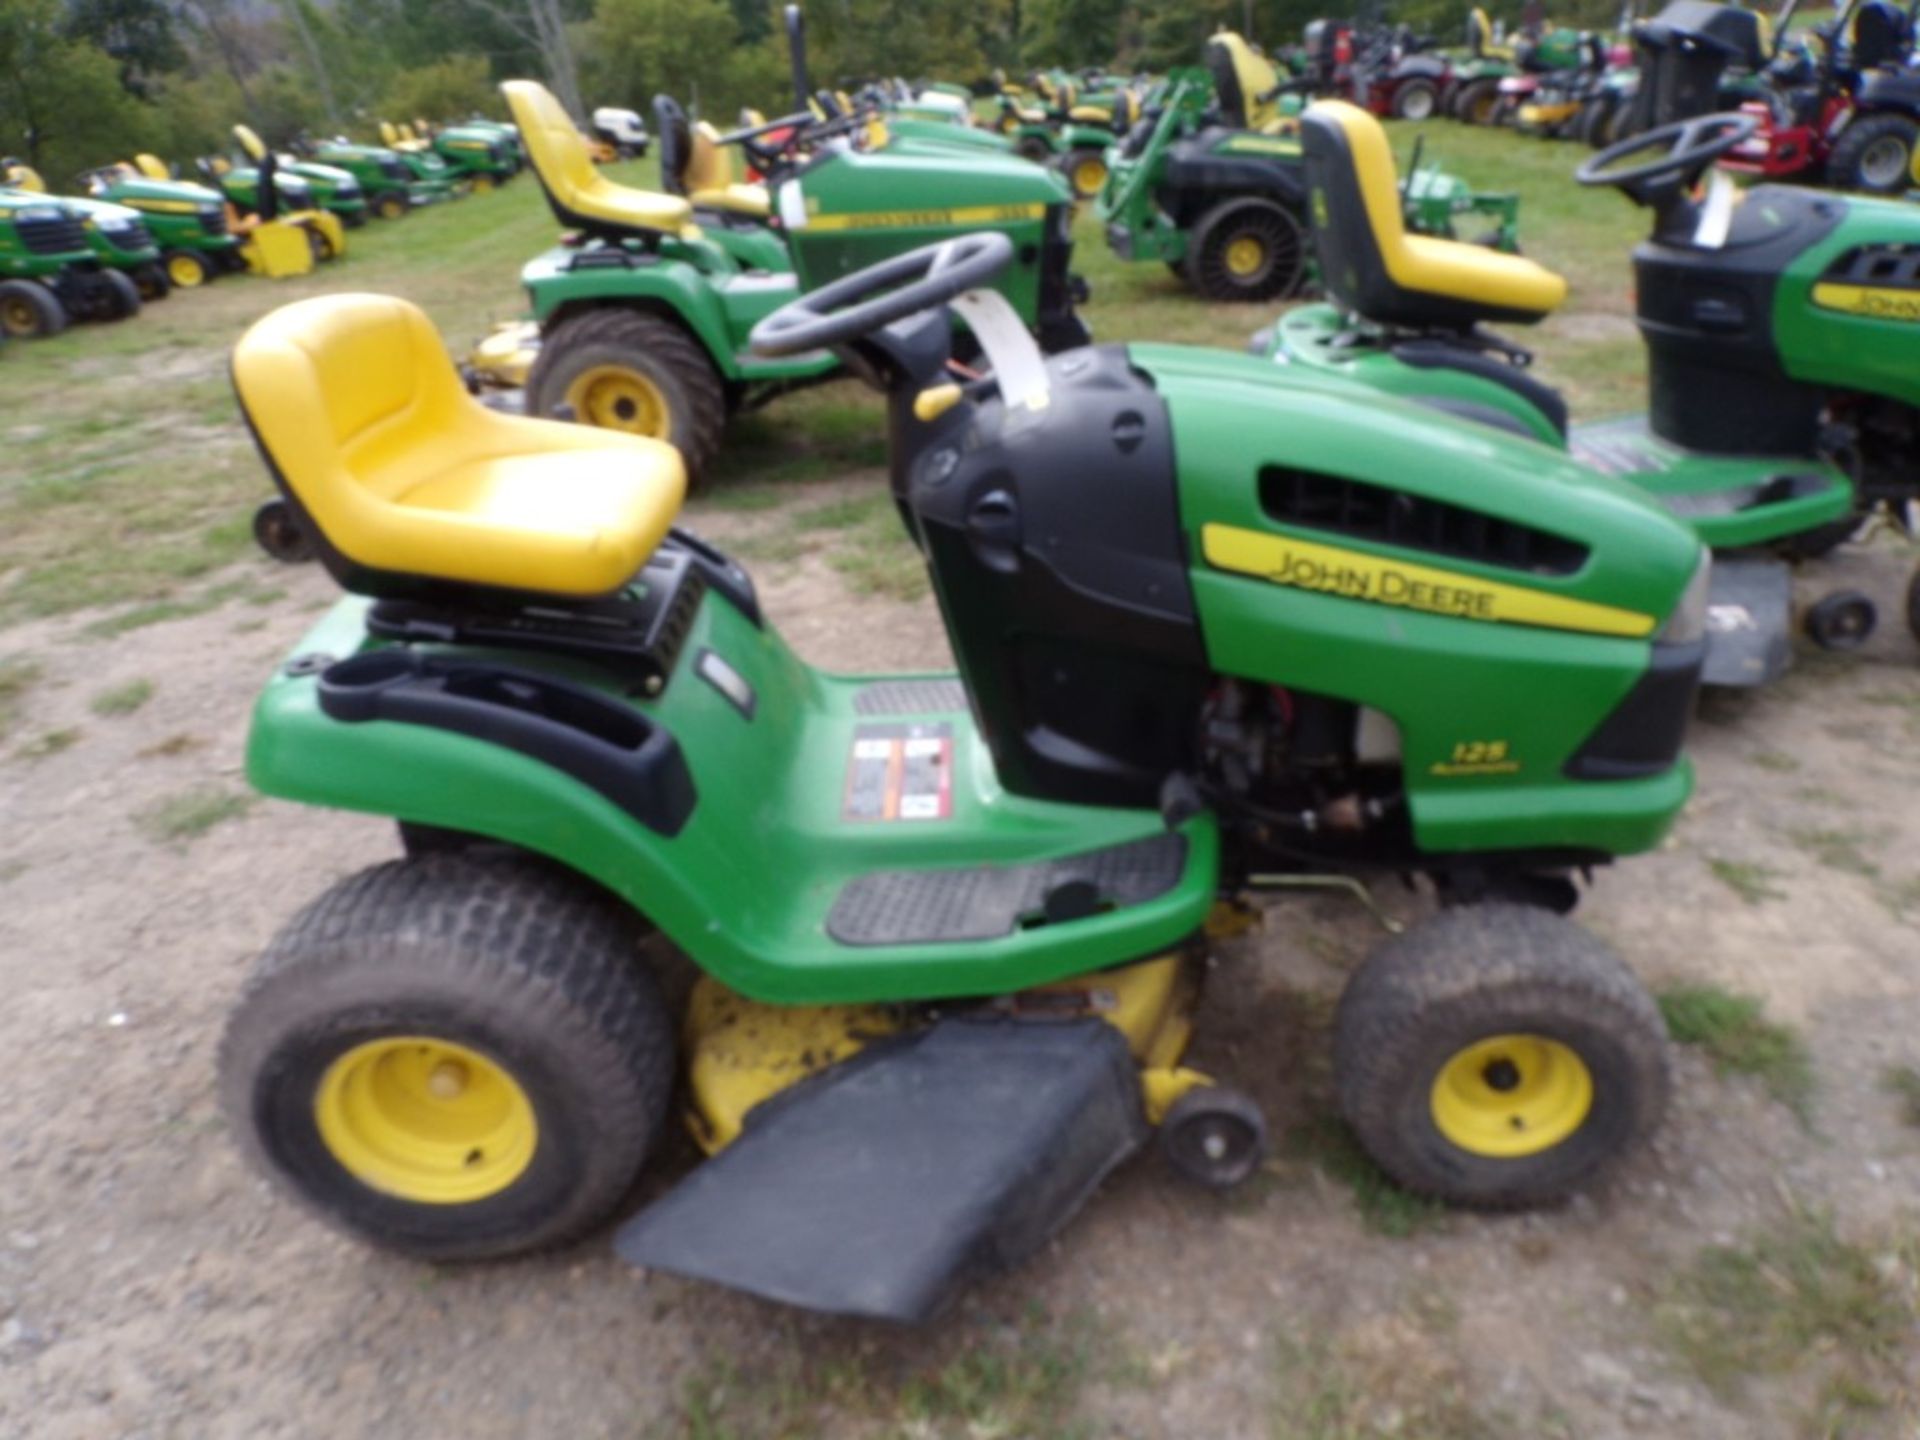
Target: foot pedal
[880,1187]
[1749,623]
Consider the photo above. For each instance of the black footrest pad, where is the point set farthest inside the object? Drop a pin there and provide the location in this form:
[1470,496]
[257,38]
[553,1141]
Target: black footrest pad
[912,907]
[880,1187]
[943,696]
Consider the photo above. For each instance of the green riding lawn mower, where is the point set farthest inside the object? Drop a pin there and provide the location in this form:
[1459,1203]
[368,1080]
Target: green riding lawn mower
[1224,205]
[1779,330]
[481,154]
[418,155]
[1221,628]
[330,188]
[1070,132]
[644,316]
[50,273]
[391,186]
[188,222]
[116,235]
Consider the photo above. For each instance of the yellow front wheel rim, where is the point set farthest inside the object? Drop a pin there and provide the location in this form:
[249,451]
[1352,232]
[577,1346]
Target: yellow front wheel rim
[185,272]
[1089,176]
[1512,1095]
[616,398]
[1246,255]
[482,184]
[18,318]
[426,1120]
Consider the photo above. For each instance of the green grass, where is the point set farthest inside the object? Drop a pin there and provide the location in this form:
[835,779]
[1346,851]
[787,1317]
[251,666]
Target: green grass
[18,675]
[1837,850]
[1903,1083]
[1732,1030]
[1753,883]
[122,699]
[1384,1208]
[1793,1294]
[130,478]
[51,742]
[190,814]
[1326,1390]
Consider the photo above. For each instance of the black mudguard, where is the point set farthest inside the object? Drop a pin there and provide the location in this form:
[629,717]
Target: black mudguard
[880,1187]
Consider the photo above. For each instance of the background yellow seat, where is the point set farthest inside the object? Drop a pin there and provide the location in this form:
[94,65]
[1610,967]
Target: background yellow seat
[579,193]
[363,419]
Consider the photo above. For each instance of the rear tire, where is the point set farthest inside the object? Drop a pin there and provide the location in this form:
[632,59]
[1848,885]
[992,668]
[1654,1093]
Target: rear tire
[1085,169]
[1498,1056]
[1247,250]
[630,371]
[1476,102]
[187,269]
[1590,126]
[1416,100]
[477,1003]
[1875,154]
[30,311]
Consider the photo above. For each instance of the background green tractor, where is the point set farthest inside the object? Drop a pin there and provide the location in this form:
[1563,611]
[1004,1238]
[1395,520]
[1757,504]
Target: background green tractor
[419,158]
[1225,207]
[332,188]
[121,240]
[49,274]
[389,183]
[644,319]
[1068,131]
[189,222]
[481,155]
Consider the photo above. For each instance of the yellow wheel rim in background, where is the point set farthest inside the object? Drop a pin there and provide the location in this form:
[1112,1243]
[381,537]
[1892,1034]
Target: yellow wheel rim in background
[1089,176]
[617,398]
[1512,1095]
[19,318]
[426,1120]
[185,272]
[482,184]
[1245,255]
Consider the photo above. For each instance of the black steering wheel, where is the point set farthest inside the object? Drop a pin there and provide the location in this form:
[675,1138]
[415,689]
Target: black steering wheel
[873,298]
[1681,153]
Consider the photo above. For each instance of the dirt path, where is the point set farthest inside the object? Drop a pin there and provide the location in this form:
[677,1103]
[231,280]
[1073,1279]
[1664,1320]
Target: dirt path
[150,1286]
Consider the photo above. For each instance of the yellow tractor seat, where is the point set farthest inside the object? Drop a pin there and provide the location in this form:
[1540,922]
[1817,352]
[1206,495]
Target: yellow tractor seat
[578,193]
[1480,31]
[1244,79]
[151,166]
[750,200]
[407,481]
[1030,114]
[708,177]
[1373,267]
[1091,114]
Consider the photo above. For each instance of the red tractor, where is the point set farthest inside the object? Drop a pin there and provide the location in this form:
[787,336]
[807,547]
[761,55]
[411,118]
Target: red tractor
[1844,108]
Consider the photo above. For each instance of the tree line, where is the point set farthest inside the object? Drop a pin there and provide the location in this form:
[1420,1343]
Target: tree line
[83,82]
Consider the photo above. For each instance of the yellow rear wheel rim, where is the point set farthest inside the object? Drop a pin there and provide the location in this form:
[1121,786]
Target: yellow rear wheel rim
[1089,176]
[616,398]
[185,272]
[482,184]
[1246,255]
[1511,1096]
[426,1120]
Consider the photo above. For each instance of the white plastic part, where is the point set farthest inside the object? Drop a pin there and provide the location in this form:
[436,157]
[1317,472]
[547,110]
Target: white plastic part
[1716,212]
[793,205]
[1012,353]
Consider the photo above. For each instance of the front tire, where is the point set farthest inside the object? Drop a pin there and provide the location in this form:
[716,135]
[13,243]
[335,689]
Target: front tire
[120,298]
[391,206]
[638,373]
[1875,154]
[1247,250]
[1498,1056]
[30,311]
[453,1057]
[151,281]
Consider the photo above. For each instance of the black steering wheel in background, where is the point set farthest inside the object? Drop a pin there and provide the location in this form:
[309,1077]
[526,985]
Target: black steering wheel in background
[873,298]
[1681,153]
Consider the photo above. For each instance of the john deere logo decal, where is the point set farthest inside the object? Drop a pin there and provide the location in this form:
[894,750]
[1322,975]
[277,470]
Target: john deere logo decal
[927,219]
[1872,301]
[1356,575]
